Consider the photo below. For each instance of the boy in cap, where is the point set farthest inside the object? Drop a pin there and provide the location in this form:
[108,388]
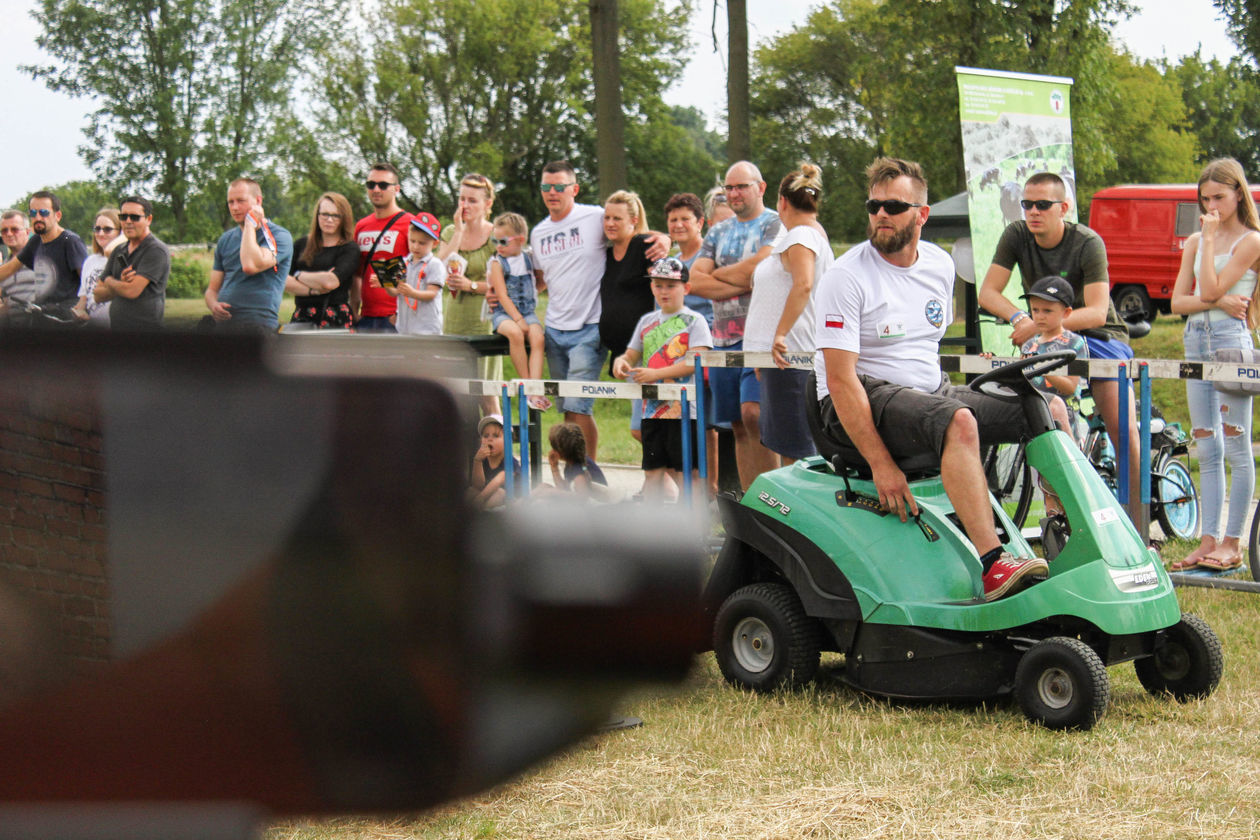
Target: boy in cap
[666,339]
[420,294]
[1049,303]
[487,482]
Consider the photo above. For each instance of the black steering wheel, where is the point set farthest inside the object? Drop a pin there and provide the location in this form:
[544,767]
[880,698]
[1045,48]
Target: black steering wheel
[1010,382]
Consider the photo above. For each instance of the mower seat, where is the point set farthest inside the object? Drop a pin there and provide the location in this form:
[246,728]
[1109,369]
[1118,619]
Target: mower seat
[845,459]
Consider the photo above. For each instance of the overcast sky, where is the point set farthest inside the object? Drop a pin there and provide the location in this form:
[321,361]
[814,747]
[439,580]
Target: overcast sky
[43,132]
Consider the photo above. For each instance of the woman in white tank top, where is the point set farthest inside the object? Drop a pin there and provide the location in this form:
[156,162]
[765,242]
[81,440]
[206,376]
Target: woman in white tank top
[1216,289]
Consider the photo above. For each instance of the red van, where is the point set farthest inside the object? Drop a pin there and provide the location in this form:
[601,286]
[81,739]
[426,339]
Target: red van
[1145,227]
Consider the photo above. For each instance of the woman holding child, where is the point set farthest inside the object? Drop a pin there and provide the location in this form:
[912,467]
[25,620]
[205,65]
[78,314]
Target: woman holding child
[1216,289]
[781,312]
[324,264]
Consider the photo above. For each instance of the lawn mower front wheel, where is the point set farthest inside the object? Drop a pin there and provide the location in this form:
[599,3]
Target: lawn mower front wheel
[763,640]
[1061,683]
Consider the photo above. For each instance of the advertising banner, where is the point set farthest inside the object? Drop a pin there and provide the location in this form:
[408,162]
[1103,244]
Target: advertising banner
[1014,125]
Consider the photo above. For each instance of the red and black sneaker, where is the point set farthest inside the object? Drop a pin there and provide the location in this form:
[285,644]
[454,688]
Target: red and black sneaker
[1010,574]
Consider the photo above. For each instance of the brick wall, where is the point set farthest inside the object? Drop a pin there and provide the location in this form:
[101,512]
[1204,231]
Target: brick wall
[52,509]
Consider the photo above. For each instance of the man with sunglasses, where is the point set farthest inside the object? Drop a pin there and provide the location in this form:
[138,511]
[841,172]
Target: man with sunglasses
[135,275]
[882,309]
[1046,244]
[381,235]
[570,254]
[251,262]
[54,254]
[723,272]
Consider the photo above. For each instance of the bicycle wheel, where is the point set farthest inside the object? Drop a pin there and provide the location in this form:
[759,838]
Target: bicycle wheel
[1010,479]
[1176,500]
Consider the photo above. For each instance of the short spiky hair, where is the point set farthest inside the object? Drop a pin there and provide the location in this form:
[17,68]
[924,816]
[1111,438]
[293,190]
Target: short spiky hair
[885,169]
[1048,179]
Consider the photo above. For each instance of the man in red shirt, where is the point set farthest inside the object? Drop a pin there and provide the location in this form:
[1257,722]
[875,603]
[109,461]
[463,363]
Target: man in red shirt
[381,235]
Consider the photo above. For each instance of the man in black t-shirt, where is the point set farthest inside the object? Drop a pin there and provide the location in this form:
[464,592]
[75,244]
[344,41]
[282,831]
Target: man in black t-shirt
[1046,244]
[135,275]
[55,254]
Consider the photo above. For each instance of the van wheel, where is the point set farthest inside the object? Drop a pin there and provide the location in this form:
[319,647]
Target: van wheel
[1133,303]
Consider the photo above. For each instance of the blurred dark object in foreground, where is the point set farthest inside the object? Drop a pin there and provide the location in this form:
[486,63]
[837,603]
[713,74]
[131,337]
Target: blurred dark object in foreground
[293,610]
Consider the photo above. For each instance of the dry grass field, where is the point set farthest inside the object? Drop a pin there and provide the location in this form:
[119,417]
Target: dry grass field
[715,762]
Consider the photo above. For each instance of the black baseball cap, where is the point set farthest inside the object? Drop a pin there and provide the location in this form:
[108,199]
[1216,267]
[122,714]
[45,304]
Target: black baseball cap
[1053,288]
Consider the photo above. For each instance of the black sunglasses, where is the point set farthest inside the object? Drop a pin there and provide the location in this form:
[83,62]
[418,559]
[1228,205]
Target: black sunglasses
[129,217]
[891,206]
[380,185]
[1042,204]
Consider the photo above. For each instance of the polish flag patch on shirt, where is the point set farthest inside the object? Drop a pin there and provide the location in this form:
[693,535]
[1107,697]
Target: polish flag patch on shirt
[834,322]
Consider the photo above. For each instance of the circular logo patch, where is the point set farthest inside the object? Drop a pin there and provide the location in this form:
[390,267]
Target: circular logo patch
[934,312]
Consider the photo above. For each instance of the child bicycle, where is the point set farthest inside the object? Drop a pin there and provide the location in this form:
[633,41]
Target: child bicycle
[1174,498]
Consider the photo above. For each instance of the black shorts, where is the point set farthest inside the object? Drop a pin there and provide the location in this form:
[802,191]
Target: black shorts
[912,423]
[662,444]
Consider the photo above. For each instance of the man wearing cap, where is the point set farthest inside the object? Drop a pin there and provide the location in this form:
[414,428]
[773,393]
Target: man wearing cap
[381,235]
[723,272]
[1046,244]
[881,311]
[251,263]
[569,253]
[54,254]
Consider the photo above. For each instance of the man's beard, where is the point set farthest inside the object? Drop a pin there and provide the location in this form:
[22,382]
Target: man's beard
[894,241]
[39,226]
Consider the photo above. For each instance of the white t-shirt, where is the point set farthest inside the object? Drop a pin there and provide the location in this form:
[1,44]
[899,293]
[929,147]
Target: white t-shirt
[771,284]
[571,255]
[892,317]
[422,317]
[91,273]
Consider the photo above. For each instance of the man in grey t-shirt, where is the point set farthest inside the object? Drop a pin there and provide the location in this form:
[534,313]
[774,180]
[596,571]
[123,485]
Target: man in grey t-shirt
[135,275]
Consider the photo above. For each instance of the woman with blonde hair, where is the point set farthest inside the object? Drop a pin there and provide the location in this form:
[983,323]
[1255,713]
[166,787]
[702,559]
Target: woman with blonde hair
[1216,290]
[106,236]
[467,249]
[324,264]
[781,312]
[625,293]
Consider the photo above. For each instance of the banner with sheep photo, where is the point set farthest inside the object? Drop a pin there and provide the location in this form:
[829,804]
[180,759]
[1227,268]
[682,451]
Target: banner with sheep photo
[1014,125]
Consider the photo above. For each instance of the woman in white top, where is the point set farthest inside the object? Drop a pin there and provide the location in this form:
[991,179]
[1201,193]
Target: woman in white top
[1216,289]
[781,312]
[106,235]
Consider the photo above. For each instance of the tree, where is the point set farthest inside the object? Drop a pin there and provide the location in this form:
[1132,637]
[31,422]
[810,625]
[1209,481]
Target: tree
[866,77]
[610,127]
[1244,24]
[454,90]
[1223,107]
[187,89]
[738,121]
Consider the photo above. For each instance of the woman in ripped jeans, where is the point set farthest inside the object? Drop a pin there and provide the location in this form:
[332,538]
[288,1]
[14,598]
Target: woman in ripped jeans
[1216,289]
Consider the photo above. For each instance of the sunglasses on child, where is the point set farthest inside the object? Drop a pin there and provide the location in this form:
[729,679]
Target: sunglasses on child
[1042,204]
[504,242]
[891,206]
